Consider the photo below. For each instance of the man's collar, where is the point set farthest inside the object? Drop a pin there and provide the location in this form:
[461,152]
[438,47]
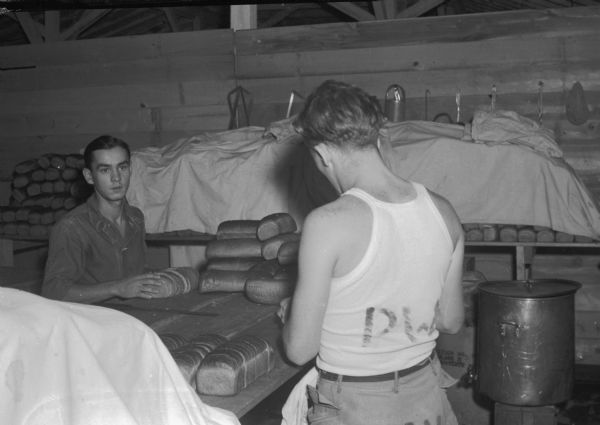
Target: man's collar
[102,222]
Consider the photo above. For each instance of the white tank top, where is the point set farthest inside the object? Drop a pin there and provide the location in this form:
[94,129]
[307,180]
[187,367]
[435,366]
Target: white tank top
[381,315]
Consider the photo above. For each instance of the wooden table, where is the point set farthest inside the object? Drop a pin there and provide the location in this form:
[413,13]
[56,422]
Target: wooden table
[226,314]
[189,315]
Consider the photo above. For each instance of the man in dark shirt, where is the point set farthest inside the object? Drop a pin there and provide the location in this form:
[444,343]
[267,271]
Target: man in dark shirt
[98,251]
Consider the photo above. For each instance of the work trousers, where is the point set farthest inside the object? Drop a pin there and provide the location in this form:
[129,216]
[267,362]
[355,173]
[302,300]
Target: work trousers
[415,399]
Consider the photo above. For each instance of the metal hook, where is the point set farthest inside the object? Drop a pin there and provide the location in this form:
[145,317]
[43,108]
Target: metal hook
[458,106]
[293,95]
[233,100]
[540,102]
[493,105]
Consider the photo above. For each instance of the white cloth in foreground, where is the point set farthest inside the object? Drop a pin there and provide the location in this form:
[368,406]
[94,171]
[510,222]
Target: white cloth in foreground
[296,406]
[75,364]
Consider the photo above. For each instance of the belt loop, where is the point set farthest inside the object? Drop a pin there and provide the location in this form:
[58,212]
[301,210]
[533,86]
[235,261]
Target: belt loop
[396,382]
[339,383]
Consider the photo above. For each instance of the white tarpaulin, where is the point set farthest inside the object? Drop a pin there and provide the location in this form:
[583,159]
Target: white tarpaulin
[74,364]
[248,173]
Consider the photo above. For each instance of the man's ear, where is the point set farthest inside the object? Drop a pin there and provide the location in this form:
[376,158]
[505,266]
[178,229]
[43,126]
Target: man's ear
[87,175]
[324,154]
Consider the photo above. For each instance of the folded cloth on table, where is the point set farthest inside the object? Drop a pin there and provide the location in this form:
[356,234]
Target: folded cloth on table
[76,364]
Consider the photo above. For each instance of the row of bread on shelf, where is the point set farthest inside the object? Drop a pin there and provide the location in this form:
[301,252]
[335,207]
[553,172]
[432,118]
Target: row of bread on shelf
[476,232]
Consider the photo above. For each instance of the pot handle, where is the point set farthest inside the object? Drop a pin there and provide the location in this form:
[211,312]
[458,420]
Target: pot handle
[505,325]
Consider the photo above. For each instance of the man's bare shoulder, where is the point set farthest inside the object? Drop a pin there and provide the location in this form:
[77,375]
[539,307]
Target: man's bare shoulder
[337,216]
[449,215]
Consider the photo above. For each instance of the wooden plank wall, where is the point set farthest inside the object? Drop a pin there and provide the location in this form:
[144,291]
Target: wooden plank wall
[153,89]
[148,90]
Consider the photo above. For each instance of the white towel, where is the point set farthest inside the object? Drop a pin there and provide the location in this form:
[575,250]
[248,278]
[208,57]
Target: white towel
[296,406]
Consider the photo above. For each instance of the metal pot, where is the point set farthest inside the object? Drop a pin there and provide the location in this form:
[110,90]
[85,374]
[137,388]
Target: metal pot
[525,341]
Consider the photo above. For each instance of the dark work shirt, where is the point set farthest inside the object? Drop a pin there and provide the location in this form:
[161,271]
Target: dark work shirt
[88,249]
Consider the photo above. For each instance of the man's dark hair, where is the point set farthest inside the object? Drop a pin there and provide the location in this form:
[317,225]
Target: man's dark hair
[103,142]
[340,114]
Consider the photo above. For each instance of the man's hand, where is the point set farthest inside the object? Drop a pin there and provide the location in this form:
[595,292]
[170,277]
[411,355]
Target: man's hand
[146,286]
[283,312]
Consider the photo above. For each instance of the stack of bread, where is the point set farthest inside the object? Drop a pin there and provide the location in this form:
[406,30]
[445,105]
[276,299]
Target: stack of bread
[42,191]
[257,257]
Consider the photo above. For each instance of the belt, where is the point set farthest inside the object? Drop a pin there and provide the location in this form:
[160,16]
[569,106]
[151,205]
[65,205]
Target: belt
[377,378]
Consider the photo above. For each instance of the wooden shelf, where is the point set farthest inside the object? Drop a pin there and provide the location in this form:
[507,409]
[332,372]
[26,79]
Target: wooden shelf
[177,237]
[524,252]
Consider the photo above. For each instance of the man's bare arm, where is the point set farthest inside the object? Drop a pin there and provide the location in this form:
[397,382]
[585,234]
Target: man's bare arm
[142,286]
[316,261]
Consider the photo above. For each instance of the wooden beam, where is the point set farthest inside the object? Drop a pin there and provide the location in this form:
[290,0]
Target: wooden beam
[279,16]
[419,8]
[390,7]
[171,18]
[243,17]
[378,10]
[87,19]
[52,25]
[352,10]
[30,27]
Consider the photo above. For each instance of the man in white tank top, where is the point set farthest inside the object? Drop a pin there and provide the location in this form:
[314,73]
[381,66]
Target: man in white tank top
[379,276]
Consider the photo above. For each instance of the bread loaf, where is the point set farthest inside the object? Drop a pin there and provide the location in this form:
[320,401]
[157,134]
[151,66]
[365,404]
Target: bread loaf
[236,264]
[234,365]
[288,253]
[233,248]
[508,234]
[271,246]
[222,281]
[268,290]
[562,237]
[173,341]
[189,356]
[266,268]
[490,232]
[26,166]
[177,281]
[474,235]
[275,224]
[237,229]
[270,283]
[526,234]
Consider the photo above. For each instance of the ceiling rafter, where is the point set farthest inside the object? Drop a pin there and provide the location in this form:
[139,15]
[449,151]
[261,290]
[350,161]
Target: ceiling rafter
[419,8]
[30,27]
[279,16]
[87,19]
[354,11]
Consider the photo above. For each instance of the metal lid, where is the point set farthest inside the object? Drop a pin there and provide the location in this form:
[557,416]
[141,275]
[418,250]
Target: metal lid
[536,288]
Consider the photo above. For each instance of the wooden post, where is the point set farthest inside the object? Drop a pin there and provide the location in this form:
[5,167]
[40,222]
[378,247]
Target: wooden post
[6,253]
[243,17]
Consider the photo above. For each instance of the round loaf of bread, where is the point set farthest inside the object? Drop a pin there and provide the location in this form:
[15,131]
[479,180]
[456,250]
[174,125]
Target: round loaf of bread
[275,224]
[268,290]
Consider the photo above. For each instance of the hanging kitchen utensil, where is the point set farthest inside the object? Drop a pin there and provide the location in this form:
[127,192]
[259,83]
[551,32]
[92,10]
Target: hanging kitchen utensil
[458,100]
[427,93]
[540,102]
[576,106]
[293,95]
[395,103]
[493,95]
[238,108]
